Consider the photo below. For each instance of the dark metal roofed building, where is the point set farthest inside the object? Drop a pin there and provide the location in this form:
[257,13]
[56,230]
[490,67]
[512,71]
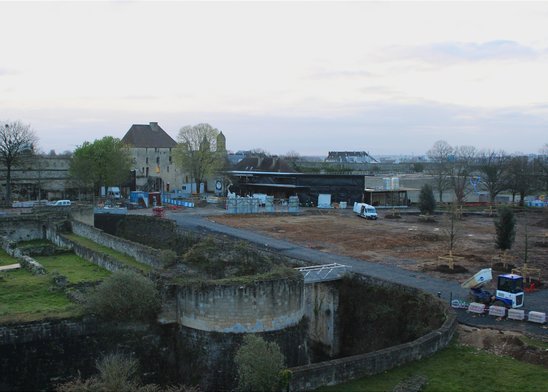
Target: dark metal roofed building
[350,157]
[148,136]
[264,164]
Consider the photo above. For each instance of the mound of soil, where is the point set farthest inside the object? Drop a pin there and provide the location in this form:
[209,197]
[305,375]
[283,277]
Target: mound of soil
[502,343]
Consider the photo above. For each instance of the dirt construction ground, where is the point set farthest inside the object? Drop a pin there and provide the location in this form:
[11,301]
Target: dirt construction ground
[406,241]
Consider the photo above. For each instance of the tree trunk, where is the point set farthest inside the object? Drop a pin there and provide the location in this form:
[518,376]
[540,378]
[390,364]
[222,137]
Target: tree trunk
[8,184]
[521,198]
[198,181]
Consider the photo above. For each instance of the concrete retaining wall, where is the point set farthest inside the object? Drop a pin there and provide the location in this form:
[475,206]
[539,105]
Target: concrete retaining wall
[256,307]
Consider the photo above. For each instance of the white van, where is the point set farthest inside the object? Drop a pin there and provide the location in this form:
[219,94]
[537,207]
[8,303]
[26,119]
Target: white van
[365,211]
[61,203]
[113,192]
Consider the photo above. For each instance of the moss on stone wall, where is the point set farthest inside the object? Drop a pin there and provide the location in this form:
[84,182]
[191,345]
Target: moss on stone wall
[276,273]
[379,316]
[154,232]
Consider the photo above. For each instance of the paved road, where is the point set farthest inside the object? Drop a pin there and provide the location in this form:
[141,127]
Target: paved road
[537,301]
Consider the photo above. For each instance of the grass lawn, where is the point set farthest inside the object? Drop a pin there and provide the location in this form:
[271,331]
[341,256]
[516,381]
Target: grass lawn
[123,258]
[33,243]
[6,259]
[73,267]
[459,368]
[28,297]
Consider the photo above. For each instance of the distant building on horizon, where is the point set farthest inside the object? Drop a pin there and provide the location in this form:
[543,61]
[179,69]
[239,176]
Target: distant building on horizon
[349,157]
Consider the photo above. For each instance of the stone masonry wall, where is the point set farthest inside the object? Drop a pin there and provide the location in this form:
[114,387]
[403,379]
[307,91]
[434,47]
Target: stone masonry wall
[21,228]
[255,307]
[141,253]
[101,259]
[40,355]
[309,377]
[321,309]
[344,369]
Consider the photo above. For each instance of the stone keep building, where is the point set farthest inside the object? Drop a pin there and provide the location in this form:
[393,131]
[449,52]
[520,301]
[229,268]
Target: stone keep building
[152,152]
[151,149]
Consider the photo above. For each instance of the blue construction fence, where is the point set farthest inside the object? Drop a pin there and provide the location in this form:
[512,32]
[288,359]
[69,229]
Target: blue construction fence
[166,199]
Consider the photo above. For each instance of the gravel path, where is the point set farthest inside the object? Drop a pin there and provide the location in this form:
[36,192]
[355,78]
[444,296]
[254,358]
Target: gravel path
[446,289]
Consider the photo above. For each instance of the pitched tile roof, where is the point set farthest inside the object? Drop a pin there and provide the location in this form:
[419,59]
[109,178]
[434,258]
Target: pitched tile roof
[149,136]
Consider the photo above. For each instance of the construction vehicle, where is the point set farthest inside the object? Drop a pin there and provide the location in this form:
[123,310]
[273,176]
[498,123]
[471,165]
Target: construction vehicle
[509,291]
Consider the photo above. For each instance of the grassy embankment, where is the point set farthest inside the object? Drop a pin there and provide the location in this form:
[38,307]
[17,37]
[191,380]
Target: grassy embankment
[459,368]
[27,297]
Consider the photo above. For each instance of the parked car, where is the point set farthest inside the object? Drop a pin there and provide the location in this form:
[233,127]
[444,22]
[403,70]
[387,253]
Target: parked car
[61,203]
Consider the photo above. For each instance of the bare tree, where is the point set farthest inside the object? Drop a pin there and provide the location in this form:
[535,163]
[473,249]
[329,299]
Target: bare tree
[197,152]
[259,152]
[291,157]
[492,165]
[520,177]
[17,142]
[542,161]
[439,168]
[461,171]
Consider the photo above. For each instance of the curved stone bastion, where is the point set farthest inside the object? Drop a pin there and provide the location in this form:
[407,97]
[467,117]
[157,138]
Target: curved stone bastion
[259,306]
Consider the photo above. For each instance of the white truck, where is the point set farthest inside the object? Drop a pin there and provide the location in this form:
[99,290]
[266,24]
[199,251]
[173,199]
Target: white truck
[365,211]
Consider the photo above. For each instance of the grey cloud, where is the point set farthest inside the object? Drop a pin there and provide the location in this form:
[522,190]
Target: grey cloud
[450,52]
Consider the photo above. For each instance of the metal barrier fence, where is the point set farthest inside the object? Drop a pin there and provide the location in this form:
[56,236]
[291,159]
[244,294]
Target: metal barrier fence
[176,202]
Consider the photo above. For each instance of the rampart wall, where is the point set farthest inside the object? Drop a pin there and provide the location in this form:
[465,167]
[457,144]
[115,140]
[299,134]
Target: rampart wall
[242,308]
[344,369]
[141,253]
[40,355]
[21,228]
[322,311]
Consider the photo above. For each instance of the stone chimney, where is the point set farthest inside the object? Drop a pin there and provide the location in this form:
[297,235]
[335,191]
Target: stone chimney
[153,126]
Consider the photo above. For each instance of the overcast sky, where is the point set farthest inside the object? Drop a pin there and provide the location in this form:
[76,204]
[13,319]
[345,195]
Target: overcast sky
[388,78]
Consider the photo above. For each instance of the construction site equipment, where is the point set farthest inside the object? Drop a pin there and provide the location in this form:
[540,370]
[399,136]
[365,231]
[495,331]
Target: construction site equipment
[158,211]
[450,258]
[531,275]
[509,291]
[504,259]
